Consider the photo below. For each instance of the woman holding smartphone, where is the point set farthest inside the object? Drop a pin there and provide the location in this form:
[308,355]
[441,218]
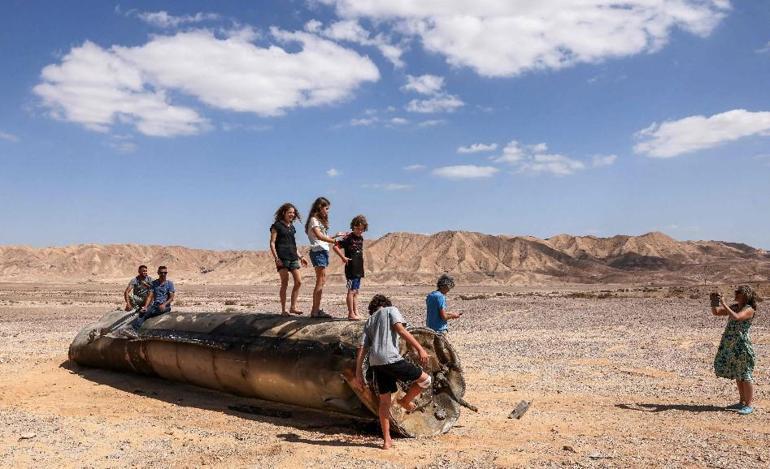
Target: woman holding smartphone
[735,356]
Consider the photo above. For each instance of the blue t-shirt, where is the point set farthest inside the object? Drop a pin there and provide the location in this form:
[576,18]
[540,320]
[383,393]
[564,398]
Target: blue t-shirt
[161,291]
[434,303]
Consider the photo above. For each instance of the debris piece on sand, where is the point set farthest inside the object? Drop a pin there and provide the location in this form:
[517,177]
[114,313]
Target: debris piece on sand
[521,408]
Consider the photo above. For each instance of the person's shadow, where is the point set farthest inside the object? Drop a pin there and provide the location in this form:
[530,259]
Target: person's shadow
[294,438]
[188,395]
[666,407]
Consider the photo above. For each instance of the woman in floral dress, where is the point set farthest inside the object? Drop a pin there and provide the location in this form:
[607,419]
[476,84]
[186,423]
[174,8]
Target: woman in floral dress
[735,357]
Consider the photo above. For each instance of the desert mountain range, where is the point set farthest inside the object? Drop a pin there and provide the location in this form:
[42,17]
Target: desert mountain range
[398,258]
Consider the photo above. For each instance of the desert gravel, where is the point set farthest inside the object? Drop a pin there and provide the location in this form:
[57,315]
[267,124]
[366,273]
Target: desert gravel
[617,378]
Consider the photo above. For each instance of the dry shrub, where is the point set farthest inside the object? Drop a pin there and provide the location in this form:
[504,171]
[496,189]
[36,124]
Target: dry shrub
[230,302]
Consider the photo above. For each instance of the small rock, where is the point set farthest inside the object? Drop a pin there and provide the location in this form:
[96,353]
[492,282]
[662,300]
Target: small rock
[568,448]
[27,436]
[521,409]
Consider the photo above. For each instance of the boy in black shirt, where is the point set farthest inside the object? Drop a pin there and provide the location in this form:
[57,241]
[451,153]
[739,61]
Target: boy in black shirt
[353,257]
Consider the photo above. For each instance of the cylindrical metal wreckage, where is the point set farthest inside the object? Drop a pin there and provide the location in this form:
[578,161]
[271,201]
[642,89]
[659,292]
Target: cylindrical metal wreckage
[298,361]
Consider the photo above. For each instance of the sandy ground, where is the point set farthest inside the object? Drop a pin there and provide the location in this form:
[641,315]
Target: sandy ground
[616,378]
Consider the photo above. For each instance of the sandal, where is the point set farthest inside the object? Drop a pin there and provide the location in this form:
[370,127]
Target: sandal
[745,410]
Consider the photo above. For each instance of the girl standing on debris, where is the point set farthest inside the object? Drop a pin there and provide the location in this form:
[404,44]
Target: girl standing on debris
[735,356]
[316,227]
[283,246]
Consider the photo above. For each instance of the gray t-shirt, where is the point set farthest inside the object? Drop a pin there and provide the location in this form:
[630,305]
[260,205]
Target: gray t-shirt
[381,338]
[141,288]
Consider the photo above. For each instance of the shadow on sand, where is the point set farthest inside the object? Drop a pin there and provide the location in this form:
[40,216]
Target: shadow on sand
[666,407]
[258,410]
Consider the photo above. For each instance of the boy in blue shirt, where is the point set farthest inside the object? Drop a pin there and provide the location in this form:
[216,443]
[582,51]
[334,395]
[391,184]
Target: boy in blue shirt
[437,314]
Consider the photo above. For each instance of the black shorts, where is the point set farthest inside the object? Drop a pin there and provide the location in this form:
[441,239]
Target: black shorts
[387,375]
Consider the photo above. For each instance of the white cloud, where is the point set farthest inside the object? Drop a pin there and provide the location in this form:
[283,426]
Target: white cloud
[424,84]
[465,171]
[512,153]
[364,121]
[352,31]
[508,37]
[414,167]
[234,126]
[765,49]
[674,138]
[599,161]
[399,121]
[477,148]
[558,165]
[123,146]
[333,173]
[98,87]
[431,123]
[162,19]
[536,159]
[8,137]
[441,103]
[391,186]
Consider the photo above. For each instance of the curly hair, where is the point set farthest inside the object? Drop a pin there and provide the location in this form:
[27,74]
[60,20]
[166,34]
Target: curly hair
[748,295]
[285,208]
[445,281]
[379,301]
[359,220]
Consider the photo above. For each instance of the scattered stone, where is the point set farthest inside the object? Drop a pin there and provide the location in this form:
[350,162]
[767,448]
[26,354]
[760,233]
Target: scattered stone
[568,448]
[27,436]
[520,410]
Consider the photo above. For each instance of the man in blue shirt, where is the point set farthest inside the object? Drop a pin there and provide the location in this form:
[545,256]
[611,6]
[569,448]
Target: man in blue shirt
[438,316]
[160,298]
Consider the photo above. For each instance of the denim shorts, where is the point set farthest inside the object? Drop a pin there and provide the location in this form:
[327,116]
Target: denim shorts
[354,283]
[319,258]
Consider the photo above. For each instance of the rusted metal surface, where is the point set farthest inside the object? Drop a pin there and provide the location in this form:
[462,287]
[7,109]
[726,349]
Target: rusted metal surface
[298,361]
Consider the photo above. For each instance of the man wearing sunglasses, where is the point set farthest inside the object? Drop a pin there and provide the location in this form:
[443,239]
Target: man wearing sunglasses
[160,298]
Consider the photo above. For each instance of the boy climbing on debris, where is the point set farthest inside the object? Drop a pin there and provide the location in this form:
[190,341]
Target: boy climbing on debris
[380,342]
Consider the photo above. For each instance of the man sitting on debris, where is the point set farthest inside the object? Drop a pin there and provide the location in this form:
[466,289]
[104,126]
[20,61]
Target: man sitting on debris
[160,298]
[138,289]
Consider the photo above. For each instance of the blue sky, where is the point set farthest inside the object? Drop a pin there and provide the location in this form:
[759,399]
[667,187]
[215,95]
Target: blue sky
[189,123]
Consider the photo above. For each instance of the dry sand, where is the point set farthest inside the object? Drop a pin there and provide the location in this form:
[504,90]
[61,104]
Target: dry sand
[616,378]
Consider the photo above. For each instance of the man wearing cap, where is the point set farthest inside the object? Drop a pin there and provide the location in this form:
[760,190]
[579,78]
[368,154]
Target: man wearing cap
[438,316]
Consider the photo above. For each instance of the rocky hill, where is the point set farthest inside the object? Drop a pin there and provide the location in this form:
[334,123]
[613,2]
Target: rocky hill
[412,258]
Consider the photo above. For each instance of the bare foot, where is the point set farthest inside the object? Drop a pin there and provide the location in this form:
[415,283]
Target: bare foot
[408,406]
[354,318]
[284,313]
[387,444]
[296,311]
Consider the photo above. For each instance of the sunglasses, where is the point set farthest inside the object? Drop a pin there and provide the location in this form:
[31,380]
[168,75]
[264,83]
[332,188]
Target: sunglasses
[164,272]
